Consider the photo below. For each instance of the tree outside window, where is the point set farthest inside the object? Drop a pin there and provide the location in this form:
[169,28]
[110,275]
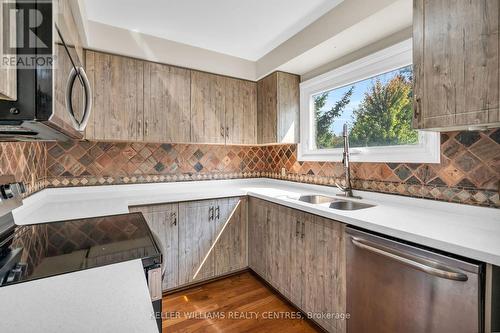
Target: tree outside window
[378,111]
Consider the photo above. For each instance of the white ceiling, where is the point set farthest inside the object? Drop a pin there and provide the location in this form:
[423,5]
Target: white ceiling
[395,18]
[248,29]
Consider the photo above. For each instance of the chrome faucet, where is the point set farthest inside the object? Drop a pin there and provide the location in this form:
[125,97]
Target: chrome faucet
[347,189]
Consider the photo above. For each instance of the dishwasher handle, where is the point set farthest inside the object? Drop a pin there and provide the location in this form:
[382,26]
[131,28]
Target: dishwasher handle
[421,264]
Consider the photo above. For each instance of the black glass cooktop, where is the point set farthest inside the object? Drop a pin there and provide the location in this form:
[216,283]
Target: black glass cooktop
[48,249]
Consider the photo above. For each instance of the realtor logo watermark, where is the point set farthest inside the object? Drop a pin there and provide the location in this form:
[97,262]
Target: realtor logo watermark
[26,34]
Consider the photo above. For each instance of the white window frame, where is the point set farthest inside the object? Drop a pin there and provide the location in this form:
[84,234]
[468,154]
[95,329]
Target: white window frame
[386,60]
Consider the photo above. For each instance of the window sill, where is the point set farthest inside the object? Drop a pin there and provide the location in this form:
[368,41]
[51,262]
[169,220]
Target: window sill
[428,151]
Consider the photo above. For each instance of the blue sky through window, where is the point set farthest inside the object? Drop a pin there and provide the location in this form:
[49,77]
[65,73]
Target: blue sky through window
[360,89]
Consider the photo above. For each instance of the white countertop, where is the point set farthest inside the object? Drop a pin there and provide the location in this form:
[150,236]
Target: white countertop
[112,298]
[465,230]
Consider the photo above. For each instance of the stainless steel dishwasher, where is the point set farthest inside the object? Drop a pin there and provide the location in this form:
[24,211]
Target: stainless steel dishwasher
[393,287]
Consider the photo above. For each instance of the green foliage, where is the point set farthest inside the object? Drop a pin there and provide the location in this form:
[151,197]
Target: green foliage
[324,119]
[384,116]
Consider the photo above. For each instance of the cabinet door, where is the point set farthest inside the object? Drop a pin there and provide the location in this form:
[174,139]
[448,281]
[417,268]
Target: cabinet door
[325,283]
[196,229]
[241,112]
[257,244]
[267,109]
[163,221]
[207,108]
[167,103]
[271,236]
[286,225]
[117,109]
[230,235]
[8,76]
[288,107]
[297,259]
[456,63]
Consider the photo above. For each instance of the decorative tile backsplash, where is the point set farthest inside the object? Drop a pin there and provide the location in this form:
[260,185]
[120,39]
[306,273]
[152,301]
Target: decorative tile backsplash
[469,171]
[94,163]
[26,161]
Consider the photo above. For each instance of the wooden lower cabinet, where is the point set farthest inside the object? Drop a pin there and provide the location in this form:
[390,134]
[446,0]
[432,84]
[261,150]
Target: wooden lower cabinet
[200,239]
[303,257]
[231,236]
[298,259]
[299,254]
[163,221]
[196,236]
[284,225]
[324,280]
[271,237]
[257,234]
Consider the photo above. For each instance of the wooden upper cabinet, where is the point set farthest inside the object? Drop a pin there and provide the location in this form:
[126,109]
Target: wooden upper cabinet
[137,100]
[241,111]
[456,63]
[288,107]
[167,103]
[117,85]
[8,76]
[278,108]
[267,109]
[207,108]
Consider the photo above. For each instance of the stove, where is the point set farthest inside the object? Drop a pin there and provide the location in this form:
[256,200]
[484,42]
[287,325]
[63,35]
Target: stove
[37,251]
[48,249]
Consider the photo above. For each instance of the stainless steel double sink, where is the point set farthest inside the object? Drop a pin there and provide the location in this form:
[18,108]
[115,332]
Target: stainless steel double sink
[335,203]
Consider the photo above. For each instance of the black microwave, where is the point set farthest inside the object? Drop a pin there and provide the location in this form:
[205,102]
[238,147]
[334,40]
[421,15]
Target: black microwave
[54,97]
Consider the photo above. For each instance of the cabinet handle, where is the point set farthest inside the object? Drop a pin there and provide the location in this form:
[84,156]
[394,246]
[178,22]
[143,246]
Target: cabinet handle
[267,216]
[222,131]
[416,112]
[297,227]
[227,132]
[211,213]
[217,212]
[303,230]
[173,216]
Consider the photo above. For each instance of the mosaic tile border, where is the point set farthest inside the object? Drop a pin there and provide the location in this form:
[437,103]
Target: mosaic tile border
[485,198]
[32,188]
[145,179]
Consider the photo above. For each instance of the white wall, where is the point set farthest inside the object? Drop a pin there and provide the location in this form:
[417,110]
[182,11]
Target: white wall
[102,37]
[358,54]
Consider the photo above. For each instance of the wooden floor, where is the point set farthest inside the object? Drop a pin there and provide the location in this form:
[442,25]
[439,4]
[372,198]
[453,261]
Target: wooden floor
[217,305]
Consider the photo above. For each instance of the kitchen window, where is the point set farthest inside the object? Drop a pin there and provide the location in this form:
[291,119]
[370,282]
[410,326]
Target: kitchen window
[373,96]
